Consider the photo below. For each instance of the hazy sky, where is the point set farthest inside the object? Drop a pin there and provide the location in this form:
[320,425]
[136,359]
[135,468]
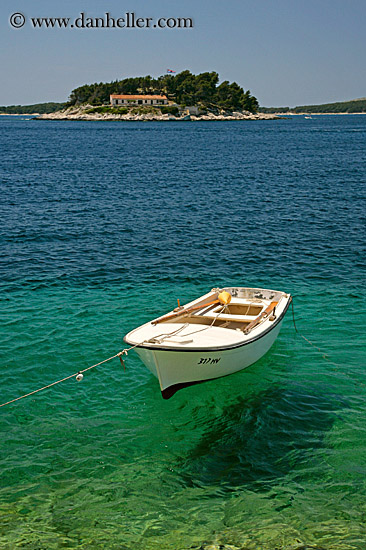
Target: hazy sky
[287,52]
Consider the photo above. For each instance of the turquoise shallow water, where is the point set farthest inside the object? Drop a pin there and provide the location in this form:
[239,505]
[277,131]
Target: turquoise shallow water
[103,226]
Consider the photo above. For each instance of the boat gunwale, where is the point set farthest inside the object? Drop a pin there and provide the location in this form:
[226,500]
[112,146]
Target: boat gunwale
[159,347]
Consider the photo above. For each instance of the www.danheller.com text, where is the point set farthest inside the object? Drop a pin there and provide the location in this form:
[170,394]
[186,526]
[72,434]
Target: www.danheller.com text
[129,20]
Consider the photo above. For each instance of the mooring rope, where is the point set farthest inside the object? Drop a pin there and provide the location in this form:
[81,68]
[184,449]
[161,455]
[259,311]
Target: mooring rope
[324,355]
[125,352]
[75,375]
[338,367]
[80,372]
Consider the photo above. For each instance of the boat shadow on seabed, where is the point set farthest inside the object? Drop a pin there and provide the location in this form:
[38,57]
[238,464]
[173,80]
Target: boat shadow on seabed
[255,442]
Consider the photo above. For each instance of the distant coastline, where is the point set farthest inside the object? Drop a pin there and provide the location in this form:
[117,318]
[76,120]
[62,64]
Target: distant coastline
[352,107]
[290,114]
[330,114]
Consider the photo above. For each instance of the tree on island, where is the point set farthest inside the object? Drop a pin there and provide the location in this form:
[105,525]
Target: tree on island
[183,88]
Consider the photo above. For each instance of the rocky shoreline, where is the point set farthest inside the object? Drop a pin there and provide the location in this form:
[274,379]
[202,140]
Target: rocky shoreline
[80,113]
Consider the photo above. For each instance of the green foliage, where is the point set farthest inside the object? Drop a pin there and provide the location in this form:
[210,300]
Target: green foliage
[40,108]
[106,109]
[184,88]
[169,110]
[272,110]
[143,110]
[250,103]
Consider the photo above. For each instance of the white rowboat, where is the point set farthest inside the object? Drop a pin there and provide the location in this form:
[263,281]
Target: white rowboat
[218,334]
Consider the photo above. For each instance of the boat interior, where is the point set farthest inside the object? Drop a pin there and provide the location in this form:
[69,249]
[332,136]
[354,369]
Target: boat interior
[246,308]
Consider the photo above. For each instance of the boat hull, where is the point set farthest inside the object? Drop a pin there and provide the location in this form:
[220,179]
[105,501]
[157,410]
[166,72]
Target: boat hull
[176,369]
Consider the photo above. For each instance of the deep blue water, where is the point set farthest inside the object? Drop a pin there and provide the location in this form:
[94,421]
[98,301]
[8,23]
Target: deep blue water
[103,226]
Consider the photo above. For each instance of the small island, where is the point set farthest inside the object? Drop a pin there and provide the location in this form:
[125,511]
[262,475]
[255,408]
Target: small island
[179,97]
[183,96]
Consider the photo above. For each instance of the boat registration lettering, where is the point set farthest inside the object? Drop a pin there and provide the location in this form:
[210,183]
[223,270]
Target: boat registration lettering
[208,361]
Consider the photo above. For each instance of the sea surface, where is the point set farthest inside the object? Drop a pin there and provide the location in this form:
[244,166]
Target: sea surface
[103,226]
